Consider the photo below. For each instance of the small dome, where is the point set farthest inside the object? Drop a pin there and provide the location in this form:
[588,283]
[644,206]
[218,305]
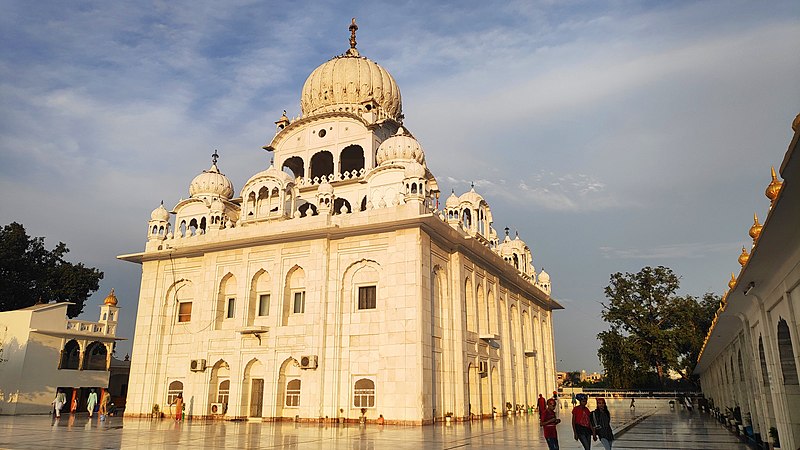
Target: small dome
[211,182]
[217,205]
[414,170]
[400,147]
[271,172]
[544,277]
[350,82]
[111,300]
[160,213]
[452,201]
[774,187]
[325,188]
[472,197]
[732,282]
[743,257]
[755,230]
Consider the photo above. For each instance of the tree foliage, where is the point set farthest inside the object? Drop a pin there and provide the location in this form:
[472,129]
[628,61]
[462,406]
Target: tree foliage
[29,272]
[653,331]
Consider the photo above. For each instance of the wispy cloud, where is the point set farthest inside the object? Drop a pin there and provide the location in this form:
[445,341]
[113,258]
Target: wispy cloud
[693,250]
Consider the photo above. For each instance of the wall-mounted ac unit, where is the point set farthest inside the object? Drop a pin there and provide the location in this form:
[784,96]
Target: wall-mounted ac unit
[197,365]
[217,409]
[308,362]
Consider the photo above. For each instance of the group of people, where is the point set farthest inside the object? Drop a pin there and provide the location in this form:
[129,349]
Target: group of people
[586,425]
[91,402]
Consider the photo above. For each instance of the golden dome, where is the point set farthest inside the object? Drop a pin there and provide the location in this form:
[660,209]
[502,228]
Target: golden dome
[744,257]
[774,187]
[351,82]
[111,299]
[732,282]
[755,230]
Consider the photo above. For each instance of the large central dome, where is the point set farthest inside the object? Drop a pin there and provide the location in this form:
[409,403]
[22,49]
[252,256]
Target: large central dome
[351,82]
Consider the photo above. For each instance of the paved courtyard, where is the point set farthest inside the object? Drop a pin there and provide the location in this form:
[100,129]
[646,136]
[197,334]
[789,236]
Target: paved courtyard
[651,426]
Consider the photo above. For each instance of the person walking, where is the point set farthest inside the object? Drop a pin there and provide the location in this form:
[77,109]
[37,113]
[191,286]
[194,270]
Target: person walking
[633,403]
[104,403]
[540,405]
[601,423]
[59,402]
[91,402]
[549,422]
[581,424]
[178,406]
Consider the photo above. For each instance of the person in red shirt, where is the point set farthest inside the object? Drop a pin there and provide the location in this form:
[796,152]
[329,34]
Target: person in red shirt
[549,422]
[581,425]
[540,405]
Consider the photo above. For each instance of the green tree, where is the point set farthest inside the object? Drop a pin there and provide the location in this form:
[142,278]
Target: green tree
[572,379]
[29,272]
[652,330]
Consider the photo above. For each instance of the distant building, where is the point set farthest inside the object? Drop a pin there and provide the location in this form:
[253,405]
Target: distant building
[593,377]
[43,351]
[750,356]
[336,284]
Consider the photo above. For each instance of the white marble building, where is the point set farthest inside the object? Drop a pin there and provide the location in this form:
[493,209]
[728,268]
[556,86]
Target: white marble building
[751,355]
[336,284]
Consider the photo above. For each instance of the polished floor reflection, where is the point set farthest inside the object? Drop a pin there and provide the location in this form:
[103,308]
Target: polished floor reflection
[652,425]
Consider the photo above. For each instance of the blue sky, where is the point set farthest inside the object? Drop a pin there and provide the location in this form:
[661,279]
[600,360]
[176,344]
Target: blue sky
[610,135]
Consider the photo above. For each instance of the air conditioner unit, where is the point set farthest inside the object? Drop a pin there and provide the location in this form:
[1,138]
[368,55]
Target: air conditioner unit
[308,362]
[197,365]
[483,368]
[217,409]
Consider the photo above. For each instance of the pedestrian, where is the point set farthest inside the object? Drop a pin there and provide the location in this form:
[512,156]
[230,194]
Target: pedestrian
[688,403]
[74,406]
[104,402]
[59,402]
[91,402]
[581,424]
[633,403]
[541,405]
[178,406]
[601,423]
[574,402]
[549,422]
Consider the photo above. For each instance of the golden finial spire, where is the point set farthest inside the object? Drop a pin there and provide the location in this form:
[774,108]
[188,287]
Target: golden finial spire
[111,299]
[353,28]
[774,187]
[755,230]
[744,257]
[732,282]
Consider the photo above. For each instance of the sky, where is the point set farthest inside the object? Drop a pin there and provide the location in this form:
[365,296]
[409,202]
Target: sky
[610,135]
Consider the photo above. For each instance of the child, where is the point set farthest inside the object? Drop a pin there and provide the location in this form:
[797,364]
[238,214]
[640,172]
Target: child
[549,422]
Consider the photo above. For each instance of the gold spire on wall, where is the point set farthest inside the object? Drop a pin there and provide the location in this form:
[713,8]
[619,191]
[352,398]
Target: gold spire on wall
[732,282]
[744,257]
[755,230]
[774,187]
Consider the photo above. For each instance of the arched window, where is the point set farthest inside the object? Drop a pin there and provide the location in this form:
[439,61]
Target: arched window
[351,158]
[294,166]
[741,366]
[293,393]
[95,358]
[337,206]
[307,209]
[224,392]
[466,219]
[786,352]
[321,164]
[763,358]
[364,393]
[70,357]
[175,388]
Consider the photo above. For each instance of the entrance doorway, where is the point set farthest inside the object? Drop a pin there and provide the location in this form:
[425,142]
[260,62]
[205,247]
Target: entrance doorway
[256,397]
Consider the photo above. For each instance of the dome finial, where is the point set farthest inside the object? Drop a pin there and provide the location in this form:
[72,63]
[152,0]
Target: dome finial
[353,28]
[214,157]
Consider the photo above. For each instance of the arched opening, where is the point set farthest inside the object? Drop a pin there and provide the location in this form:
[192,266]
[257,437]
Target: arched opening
[71,355]
[294,302]
[96,356]
[226,300]
[175,388]
[289,389]
[307,209]
[466,219]
[338,204]
[364,393]
[321,164]
[763,358]
[741,366]
[251,204]
[203,224]
[294,166]
[220,385]
[788,367]
[351,159]
[469,306]
[259,302]
[363,204]
[253,388]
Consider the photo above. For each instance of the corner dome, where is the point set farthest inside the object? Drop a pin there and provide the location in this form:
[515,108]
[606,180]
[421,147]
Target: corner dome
[400,147]
[271,172]
[544,277]
[160,213]
[472,197]
[211,182]
[452,201]
[414,170]
[351,82]
[111,299]
[325,188]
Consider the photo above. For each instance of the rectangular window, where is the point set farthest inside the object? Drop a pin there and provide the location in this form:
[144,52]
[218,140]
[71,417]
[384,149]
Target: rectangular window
[184,311]
[263,305]
[299,302]
[366,297]
[231,307]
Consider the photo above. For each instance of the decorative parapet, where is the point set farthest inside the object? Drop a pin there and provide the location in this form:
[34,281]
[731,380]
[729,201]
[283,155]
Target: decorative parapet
[84,326]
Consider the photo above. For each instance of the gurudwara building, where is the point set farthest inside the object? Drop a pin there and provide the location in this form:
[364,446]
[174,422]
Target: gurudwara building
[749,363]
[336,286]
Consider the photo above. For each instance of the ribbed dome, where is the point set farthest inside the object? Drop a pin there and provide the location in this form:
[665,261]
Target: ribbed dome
[160,213]
[400,147]
[414,170]
[350,81]
[271,172]
[472,197]
[211,182]
[111,299]
[217,205]
[452,201]
[544,277]
[325,188]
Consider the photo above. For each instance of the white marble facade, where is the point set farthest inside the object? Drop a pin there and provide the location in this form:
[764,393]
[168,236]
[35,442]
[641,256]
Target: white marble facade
[336,281]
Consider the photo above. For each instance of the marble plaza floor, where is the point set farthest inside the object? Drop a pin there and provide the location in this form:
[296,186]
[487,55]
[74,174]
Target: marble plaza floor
[651,426]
